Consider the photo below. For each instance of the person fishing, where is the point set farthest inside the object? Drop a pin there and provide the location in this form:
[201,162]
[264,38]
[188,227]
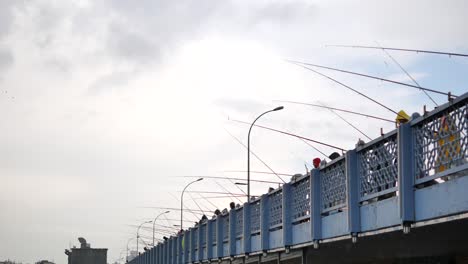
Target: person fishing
[448,145]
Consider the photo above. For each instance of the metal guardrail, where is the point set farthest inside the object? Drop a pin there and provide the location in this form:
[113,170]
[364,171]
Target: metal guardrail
[429,148]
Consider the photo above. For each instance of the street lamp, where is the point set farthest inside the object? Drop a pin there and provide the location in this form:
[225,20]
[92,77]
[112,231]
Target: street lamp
[248,148]
[154,222]
[182,203]
[138,236]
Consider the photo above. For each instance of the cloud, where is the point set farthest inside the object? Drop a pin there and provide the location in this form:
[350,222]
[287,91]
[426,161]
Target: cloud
[6,59]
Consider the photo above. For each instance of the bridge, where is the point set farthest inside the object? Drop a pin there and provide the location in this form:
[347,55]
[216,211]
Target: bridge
[400,198]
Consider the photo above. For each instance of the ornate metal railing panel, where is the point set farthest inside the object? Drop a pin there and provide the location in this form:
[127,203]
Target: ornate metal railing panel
[441,142]
[213,232]
[300,200]
[195,237]
[276,209]
[378,167]
[225,223]
[333,185]
[203,234]
[255,217]
[239,222]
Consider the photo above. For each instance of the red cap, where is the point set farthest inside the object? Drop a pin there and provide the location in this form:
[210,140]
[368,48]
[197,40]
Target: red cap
[316,162]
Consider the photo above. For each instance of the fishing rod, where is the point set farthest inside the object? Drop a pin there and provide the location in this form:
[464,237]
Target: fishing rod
[290,134]
[350,88]
[255,155]
[214,197]
[371,77]
[237,186]
[212,204]
[230,193]
[156,230]
[338,109]
[227,192]
[349,123]
[407,73]
[310,145]
[259,172]
[197,204]
[400,49]
[168,219]
[172,208]
[177,199]
[236,179]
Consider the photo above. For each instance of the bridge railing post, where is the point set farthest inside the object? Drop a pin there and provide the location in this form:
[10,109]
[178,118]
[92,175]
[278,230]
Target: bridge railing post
[232,232]
[171,250]
[219,236]
[352,176]
[287,216]
[246,232]
[166,252]
[180,251]
[192,245]
[209,239]
[159,261]
[175,258]
[199,243]
[264,223]
[164,249]
[186,246]
[406,172]
[316,206]
[155,255]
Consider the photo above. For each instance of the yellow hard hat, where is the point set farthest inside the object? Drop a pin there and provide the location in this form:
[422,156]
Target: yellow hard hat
[402,117]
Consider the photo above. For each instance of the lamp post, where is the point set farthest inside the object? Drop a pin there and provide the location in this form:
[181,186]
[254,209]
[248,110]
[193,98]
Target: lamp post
[138,235]
[182,202]
[154,222]
[248,148]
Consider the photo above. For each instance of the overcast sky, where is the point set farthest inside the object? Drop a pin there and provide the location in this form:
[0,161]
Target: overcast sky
[104,103]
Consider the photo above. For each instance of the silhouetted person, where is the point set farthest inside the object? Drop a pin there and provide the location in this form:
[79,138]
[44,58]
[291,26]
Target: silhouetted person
[334,155]
[203,219]
[232,205]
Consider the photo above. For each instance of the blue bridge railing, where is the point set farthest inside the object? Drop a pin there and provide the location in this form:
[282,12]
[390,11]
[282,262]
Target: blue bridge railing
[412,174]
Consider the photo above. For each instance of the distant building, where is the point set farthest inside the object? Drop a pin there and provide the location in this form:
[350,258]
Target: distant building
[86,255]
[45,262]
